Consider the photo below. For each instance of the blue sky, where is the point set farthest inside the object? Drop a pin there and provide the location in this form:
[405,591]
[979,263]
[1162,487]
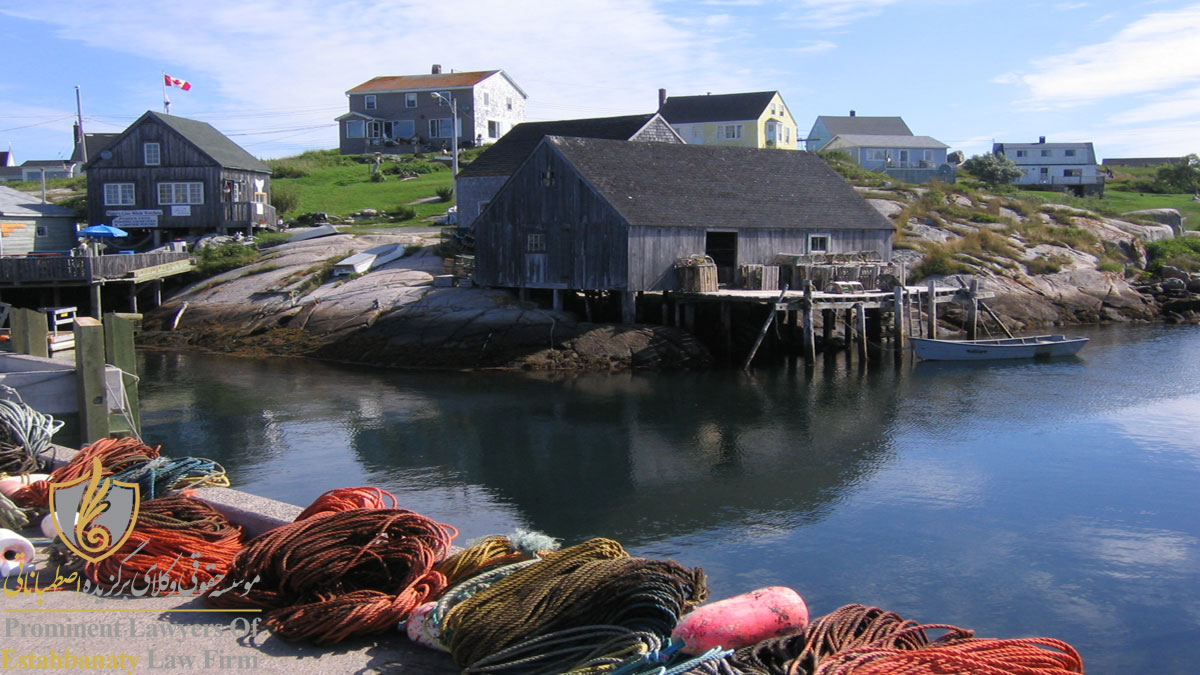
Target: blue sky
[272,74]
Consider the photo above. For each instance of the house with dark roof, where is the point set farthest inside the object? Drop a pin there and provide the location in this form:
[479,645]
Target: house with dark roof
[91,146]
[912,159]
[173,177]
[1060,167]
[401,112]
[479,181]
[749,120]
[9,171]
[827,126]
[583,214]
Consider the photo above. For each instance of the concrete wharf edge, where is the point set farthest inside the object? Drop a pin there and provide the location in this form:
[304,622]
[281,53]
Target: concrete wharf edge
[147,628]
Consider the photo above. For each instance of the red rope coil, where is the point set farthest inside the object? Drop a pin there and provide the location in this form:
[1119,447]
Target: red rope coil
[116,454]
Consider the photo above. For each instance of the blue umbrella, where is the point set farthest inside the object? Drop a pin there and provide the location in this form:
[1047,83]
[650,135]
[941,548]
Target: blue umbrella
[103,231]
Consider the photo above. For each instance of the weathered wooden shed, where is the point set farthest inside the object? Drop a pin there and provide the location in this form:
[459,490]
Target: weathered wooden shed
[174,176]
[29,226]
[590,214]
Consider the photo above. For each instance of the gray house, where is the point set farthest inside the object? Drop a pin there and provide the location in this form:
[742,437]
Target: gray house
[479,181]
[1061,167]
[174,177]
[912,159]
[828,126]
[602,215]
[29,226]
[401,112]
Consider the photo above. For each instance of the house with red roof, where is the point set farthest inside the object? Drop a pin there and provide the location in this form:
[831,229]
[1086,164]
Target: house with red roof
[402,112]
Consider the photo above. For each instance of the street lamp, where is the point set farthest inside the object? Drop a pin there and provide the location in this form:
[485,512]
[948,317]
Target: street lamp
[448,99]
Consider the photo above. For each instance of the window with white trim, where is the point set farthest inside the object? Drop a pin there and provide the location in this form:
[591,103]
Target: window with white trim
[181,193]
[1045,153]
[730,132]
[402,129]
[410,100]
[876,155]
[535,242]
[151,154]
[369,101]
[487,100]
[818,243]
[1073,172]
[355,129]
[440,128]
[927,155]
[1069,153]
[510,103]
[41,231]
[118,194]
[1021,153]
[698,131]
[374,129]
[493,129]
[903,155]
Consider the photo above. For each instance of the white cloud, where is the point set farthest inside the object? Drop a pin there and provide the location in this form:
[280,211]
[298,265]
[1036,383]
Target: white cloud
[1182,105]
[1157,52]
[835,13]
[304,54]
[813,47]
[1068,6]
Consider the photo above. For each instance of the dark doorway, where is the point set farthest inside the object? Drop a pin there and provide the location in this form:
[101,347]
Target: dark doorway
[722,248]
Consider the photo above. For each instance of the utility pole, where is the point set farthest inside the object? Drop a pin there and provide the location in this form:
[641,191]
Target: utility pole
[448,99]
[79,122]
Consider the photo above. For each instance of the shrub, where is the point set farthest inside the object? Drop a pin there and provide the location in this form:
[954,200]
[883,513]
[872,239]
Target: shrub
[378,177]
[285,198]
[993,169]
[268,239]
[445,193]
[1042,266]
[402,213]
[938,261]
[217,259]
[1183,253]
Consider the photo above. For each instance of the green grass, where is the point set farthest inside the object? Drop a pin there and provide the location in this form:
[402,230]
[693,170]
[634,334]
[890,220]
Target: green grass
[339,186]
[1183,253]
[1116,202]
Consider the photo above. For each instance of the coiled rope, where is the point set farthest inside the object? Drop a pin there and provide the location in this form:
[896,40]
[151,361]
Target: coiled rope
[166,473]
[12,517]
[847,627]
[180,543]
[339,574]
[346,499]
[575,651]
[495,551]
[593,584]
[24,434]
[963,656]
[115,454]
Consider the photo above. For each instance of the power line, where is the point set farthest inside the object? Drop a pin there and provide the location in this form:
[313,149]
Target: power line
[37,124]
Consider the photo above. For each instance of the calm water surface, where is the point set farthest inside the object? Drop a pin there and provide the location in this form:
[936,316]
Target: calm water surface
[1054,498]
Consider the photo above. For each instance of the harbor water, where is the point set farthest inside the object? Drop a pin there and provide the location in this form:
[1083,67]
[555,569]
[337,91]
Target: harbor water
[1054,498]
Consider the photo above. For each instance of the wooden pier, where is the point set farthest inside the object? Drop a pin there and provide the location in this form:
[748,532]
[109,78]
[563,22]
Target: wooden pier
[906,310]
[94,272]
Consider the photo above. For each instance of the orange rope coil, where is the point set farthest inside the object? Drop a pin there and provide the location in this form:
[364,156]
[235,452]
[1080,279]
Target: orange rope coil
[116,454]
[345,499]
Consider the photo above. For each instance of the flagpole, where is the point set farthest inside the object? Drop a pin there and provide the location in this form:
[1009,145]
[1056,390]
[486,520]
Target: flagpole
[166,104]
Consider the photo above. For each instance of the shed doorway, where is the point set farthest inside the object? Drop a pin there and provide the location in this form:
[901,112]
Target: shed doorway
[722,248]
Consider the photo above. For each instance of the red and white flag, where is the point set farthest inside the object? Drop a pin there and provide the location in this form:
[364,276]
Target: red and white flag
[176,82]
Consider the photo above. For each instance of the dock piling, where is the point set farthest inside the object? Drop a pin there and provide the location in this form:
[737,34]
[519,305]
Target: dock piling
[973,310]
[931,315]
[860,320]
[89,368]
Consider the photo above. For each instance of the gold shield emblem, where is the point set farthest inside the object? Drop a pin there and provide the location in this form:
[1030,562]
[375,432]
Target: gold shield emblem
[94,514]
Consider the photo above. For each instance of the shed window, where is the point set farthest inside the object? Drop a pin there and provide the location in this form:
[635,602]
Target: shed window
[181,193]
[355,129]
[118,194]
[369,101]
[818,243]
[151,154]
[41,231]
[410,100]
[535,242]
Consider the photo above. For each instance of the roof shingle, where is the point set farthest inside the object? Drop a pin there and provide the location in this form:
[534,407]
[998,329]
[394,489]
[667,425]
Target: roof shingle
[718,108]
[504,156]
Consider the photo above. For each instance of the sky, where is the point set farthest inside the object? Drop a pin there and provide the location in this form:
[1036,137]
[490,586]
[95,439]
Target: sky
[272,74]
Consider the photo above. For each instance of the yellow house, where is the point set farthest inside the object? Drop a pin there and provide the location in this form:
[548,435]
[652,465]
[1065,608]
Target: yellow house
[752,120]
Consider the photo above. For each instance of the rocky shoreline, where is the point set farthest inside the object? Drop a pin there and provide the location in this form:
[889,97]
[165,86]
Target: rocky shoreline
[394,316]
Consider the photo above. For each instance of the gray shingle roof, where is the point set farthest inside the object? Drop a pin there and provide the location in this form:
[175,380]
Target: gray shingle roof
[718,108]
[207,139]
[504,156]
[883,126]
[669,185]
[17,203]
[881,141]
[95,143]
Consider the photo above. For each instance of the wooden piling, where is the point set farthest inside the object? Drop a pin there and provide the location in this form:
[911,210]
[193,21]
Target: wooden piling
[628,307]
[931,315]
[89,371]
[898,318]
[973,310]
[848,330]
[860,319]
[828,324]
[28,334]
[762,333]
[727,329]
[810,340]
[119,350]
[556,299]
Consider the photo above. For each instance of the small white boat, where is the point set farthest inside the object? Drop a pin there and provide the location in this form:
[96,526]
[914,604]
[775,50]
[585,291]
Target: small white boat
[313,232]
[1033,347]
[368,259]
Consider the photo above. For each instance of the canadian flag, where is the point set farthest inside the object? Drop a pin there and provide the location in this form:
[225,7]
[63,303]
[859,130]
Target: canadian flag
[176,82]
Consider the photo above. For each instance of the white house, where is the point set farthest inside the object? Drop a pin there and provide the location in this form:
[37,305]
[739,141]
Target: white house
[1061,167]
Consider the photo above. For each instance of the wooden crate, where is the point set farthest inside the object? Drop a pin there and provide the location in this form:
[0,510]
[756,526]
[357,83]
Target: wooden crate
[699,278]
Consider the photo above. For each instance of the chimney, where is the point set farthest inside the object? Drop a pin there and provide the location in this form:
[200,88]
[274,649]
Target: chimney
[662,98]
[437,69]
[1041,139]
[852,113]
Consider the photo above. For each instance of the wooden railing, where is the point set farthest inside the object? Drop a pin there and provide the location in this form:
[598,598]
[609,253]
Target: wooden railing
[82,269]
[236,214]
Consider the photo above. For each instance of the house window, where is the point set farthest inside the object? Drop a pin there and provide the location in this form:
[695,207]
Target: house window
[787,134]
[118,194]
[369,101]
[493,129]
[181,193]
[355,129]
[1073,172]
[482,205]
[1045,171]
[151,155]
[441,128]
[698,131]
[903,155]
[401,129]
[487,100]
[535,243]
[510,103]
[41,231]
[818,243]
[1045,153]
[1069,153]
[410,100]
[1021,153]
[731,131]
[374,129]
[927,155]
[876,155]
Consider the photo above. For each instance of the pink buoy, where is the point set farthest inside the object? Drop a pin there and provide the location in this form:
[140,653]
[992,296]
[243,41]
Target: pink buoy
[11,484]
[742,620]
[421,630]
